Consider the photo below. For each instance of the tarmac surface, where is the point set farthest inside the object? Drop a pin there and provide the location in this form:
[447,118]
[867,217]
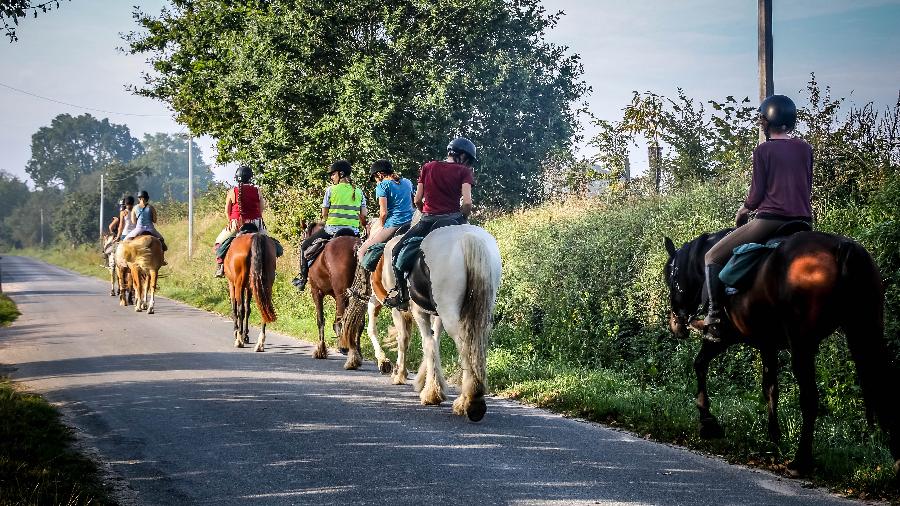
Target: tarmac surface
[182,417]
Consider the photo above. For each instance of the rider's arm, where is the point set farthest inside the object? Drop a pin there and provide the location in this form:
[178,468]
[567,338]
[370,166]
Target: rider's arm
[121,223]
[229,201]
[382,210]
[262,203]
[466,207]
[363,212]
[114,224]
[758,183]
[419,199]
[152,213]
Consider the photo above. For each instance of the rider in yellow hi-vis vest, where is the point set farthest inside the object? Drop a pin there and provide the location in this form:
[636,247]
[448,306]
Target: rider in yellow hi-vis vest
[344,207]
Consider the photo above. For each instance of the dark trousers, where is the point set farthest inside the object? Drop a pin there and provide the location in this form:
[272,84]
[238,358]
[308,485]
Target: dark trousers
[426,224]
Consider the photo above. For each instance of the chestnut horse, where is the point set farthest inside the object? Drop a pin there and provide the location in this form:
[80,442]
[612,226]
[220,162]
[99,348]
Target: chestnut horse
[250,269]
[144,256]
[331,274]
[808,287]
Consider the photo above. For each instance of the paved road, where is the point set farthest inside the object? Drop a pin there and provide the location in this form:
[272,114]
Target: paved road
[184,418]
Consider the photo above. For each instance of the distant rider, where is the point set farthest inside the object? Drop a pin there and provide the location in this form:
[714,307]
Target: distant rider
[126,218]
[344,207]
[243,204]
[780,191]
[395,203]
[444,195]
[113,226]
[144,216]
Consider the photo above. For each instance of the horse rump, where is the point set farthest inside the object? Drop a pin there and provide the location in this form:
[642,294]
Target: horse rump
[262,276]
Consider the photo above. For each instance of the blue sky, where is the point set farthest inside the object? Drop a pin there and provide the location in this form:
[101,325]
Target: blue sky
[707,47]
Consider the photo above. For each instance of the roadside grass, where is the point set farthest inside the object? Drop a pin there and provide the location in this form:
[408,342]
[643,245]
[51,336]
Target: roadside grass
[37,462]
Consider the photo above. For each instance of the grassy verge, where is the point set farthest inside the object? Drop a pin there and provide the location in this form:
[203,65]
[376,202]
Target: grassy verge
[37,462]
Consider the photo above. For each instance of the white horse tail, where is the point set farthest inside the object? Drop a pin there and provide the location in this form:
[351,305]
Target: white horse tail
[476,313]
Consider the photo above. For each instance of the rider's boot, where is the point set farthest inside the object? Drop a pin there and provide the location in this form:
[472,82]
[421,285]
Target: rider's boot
[300,280]
[398,298]
[715,290]
[163,242]
[220,270]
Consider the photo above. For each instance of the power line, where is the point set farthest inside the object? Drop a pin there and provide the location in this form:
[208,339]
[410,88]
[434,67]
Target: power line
[13,88]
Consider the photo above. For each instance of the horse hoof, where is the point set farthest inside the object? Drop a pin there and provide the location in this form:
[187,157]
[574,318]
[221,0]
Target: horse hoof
[258,349]
[321,351]
[385,367]
[150,311]
[398,379]
[710,429]
[477,409]
[246,339]
[238,343]
[343,351]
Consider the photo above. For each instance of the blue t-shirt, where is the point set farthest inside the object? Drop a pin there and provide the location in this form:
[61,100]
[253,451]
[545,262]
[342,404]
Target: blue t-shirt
[399,200]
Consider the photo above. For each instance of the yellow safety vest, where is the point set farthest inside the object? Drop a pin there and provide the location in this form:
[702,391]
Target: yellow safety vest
[344,208]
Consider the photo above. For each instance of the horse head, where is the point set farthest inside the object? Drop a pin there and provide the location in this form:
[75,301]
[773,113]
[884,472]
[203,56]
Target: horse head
[309,228]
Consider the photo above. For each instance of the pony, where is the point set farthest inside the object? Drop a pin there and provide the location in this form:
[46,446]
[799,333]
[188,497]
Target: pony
[453,286]
[250,270]
[331,274]
[811,285]
[144,256]
[108,247]
[123,274]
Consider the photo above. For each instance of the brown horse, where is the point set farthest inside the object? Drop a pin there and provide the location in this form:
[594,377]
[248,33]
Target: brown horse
[811,285]
[144,256]
[331,274]
[250,269]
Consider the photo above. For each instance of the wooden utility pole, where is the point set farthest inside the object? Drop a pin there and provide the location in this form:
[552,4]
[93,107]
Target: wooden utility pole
[190,196]
[764,47]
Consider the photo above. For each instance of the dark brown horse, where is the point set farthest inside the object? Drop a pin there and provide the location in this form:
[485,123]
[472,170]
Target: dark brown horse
[250,269]
[331,274]
[811,285]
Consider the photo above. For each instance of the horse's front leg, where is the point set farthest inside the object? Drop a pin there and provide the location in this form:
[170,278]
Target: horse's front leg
[429,381]
[403,322]
[112,282]
[152,289]
[138,290]
[803,363]
[381,360]
[709,426]
[770,391]
[236,307]
[321,350]
[245,322]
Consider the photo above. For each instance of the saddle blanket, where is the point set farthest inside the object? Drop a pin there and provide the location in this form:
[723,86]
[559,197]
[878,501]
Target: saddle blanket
[742,265]
[407,253]
[372,256]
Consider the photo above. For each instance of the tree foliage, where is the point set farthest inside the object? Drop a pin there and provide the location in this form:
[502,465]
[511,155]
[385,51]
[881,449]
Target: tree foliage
[14,10]
[292,85]
[75,146]
[165,161]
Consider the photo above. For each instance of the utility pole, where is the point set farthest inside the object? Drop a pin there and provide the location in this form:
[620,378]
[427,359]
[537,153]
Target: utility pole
[190,196]
[101,205]
[764,47]
[42,228]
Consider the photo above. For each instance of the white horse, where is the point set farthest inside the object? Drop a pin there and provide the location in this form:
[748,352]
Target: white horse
[460,269]
[109,255]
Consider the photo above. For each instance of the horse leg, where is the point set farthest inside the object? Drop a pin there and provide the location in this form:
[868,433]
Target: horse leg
[770,391]
[112,282]
[321,350]
[235,314]
[403,323]
[261,340]
[123,286]
[709,426]
[803,363]
[354,358]
[138,290]
[152,288]
[245,325]
[430,392]
[381,360]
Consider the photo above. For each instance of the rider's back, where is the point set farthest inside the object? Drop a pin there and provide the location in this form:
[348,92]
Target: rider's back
[782,179]
[442,182]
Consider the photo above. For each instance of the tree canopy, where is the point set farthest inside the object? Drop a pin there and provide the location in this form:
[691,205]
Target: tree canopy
[75,146]
[290,86]
[165,160]
[14,10]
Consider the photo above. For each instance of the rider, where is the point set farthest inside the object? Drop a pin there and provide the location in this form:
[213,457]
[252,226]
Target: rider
[144,216]
[395,203]
[344,207]
[113,226]
[126,219]
[243,205]
[441,187]
[780,191]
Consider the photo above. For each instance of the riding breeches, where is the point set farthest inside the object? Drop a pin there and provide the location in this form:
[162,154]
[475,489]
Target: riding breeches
[759,230]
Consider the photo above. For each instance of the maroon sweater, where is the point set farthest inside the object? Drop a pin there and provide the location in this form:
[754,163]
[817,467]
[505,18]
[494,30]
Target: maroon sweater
[782,179]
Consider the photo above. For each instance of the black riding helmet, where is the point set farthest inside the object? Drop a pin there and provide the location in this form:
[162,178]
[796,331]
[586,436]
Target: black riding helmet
[462,145]
[341,166]
[243,174]
[144,195]
[780,112]
[383,166]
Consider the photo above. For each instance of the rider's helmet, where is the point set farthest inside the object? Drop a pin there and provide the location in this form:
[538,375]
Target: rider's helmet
[462,145]
[243,174]
[780,112]
[144,195]
[128,200]
[341,166]
[383,166]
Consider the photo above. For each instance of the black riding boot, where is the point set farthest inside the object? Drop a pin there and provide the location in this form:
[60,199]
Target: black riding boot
[300,281]
[399,296]
[715,290]
[163,243]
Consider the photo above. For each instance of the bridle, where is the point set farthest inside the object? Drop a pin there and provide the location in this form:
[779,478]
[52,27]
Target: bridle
[682,317]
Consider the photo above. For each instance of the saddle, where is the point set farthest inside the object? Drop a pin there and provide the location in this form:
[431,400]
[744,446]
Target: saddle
[246,228]
[746,258]
[315,248]
[375,251]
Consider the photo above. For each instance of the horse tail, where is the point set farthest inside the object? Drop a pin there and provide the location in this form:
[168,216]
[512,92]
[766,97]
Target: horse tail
[860,284]
[260,284]
[477,306]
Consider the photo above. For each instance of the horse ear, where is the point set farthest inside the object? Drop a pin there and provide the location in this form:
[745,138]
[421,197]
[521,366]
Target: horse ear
[670,247]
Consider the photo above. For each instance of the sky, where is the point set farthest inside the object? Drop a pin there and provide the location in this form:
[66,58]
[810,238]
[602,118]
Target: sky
[706,47]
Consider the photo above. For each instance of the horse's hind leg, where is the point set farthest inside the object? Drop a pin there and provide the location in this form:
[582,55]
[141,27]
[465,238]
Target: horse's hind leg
[152,289]
[321,350]
[429,373]
[770,391]
[261,340]
[403,324]
[381,360]
[709,426]
[245,326]
[803,362]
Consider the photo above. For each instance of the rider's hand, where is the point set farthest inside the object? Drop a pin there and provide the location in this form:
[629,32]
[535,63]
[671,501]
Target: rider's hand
[742,216]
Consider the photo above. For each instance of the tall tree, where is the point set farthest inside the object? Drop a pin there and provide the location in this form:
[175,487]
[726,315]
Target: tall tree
[73,146]
[292,85]
[166,161]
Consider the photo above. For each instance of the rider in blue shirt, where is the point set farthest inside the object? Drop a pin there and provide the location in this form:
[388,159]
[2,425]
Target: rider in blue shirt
[395,203]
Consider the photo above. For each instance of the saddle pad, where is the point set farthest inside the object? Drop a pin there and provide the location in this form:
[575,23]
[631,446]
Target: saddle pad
[407,253]
[314,249]
[223,248]
[372,256]
[739,270]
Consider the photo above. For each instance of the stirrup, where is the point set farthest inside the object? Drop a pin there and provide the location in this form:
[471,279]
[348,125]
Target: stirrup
[712,330]
[395,300]
[220,271]
[299,283]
